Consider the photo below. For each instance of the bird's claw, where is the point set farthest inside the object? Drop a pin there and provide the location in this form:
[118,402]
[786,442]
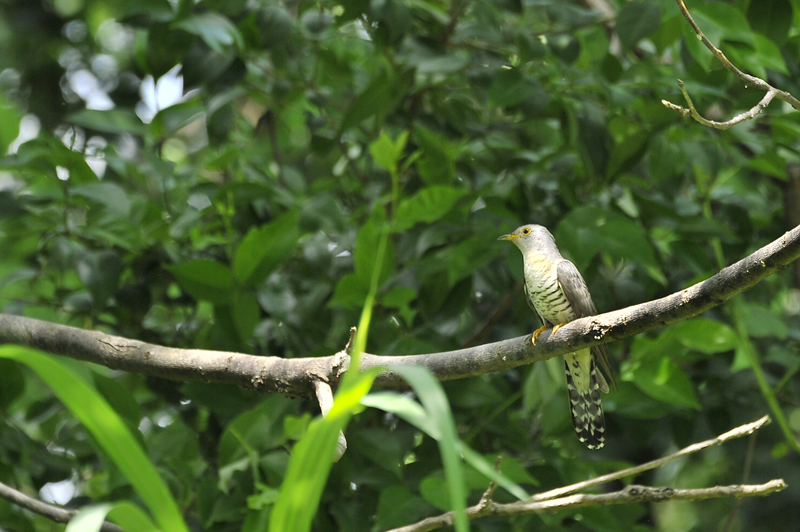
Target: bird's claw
[537,332]
[543,328]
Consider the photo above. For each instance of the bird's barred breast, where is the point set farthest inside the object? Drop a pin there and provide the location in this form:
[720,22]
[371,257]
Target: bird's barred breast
[545,292]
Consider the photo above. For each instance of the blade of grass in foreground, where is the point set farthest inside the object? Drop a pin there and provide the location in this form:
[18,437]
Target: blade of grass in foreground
[109,431]
[312,456]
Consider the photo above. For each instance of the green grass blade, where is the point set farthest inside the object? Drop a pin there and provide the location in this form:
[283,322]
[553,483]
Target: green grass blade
[109,431]
[434,400]
[411,411]
[312,459]
[127,515]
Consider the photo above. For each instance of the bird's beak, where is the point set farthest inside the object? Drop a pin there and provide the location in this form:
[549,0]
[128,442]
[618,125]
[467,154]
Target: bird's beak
[509,237]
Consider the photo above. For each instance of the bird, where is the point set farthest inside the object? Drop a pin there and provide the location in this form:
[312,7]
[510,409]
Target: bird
[555,289]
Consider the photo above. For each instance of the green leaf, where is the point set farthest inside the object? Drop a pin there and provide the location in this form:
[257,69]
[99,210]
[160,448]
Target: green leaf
[351,291]
[412,412]
[45,155]
[246,313]
[510,88]
[256,430]
[125,514]
[100,272]
[111,434]
[218,32]
[9,124]
[405,408]
[488,470]
[428,205]
[761,322]
[772,19]
[112,196]
[168,121]
[719,22]
[366,252]
[769,55]
[400,298]
[586,231]
[12,383]
[662,379]
[375,99]
[114,121]
[205,280]
[399,506]
[434,401]
[636,20]
[703,334]
[119,398]
[312,458]
[436,165]
[387,153]
[264,249]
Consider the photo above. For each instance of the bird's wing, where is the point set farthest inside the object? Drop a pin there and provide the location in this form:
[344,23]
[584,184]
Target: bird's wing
[577,293]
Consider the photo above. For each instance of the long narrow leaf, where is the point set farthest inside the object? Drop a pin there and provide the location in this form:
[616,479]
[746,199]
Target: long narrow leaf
[109,431]
[127,515]
[312,459]
[434,400]
[412,412]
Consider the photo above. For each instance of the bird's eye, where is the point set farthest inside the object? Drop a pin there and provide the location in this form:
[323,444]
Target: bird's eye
[526,231]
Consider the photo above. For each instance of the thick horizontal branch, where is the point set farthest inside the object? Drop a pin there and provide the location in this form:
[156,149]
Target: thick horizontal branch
[54,513]
[630,495]
[298,376]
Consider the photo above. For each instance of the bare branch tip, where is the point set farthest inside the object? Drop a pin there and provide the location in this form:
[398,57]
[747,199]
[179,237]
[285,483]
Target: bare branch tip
[352,340]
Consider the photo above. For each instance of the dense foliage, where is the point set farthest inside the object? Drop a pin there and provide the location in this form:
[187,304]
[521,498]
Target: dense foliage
[216,175]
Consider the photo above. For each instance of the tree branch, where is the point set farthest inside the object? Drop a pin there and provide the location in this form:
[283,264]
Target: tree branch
[52,512]
[554,499]
[632,494]
[297,377]
[748,80]
[738,432]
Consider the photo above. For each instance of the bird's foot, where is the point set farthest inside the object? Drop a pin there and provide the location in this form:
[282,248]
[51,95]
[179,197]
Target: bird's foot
[537,332]
[543,328]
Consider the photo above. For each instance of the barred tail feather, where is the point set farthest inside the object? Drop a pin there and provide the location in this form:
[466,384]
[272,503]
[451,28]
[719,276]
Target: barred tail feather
[583,386]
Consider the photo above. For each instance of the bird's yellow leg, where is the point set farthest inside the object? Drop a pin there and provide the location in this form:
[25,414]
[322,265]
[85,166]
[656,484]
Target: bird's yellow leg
[539,331]
[543,328]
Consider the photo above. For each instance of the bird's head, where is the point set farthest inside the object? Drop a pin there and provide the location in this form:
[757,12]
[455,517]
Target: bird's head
[530,236]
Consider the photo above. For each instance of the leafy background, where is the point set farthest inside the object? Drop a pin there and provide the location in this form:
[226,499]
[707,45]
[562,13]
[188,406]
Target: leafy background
[215,175]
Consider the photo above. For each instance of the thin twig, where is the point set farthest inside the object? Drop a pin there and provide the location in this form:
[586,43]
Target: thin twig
[748,464]
[487,495]
[54,513]
[743,430]
[691,111]
[630,495]
[748,80]
[555,499]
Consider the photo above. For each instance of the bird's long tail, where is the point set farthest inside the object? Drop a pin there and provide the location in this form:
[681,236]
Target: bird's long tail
[584,384]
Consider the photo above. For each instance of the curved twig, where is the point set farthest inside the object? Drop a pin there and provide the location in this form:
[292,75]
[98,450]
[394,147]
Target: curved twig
[632,494]
[748,80]
[555,499]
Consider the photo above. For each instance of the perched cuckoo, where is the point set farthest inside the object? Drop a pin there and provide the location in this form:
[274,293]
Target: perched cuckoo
[557,292]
